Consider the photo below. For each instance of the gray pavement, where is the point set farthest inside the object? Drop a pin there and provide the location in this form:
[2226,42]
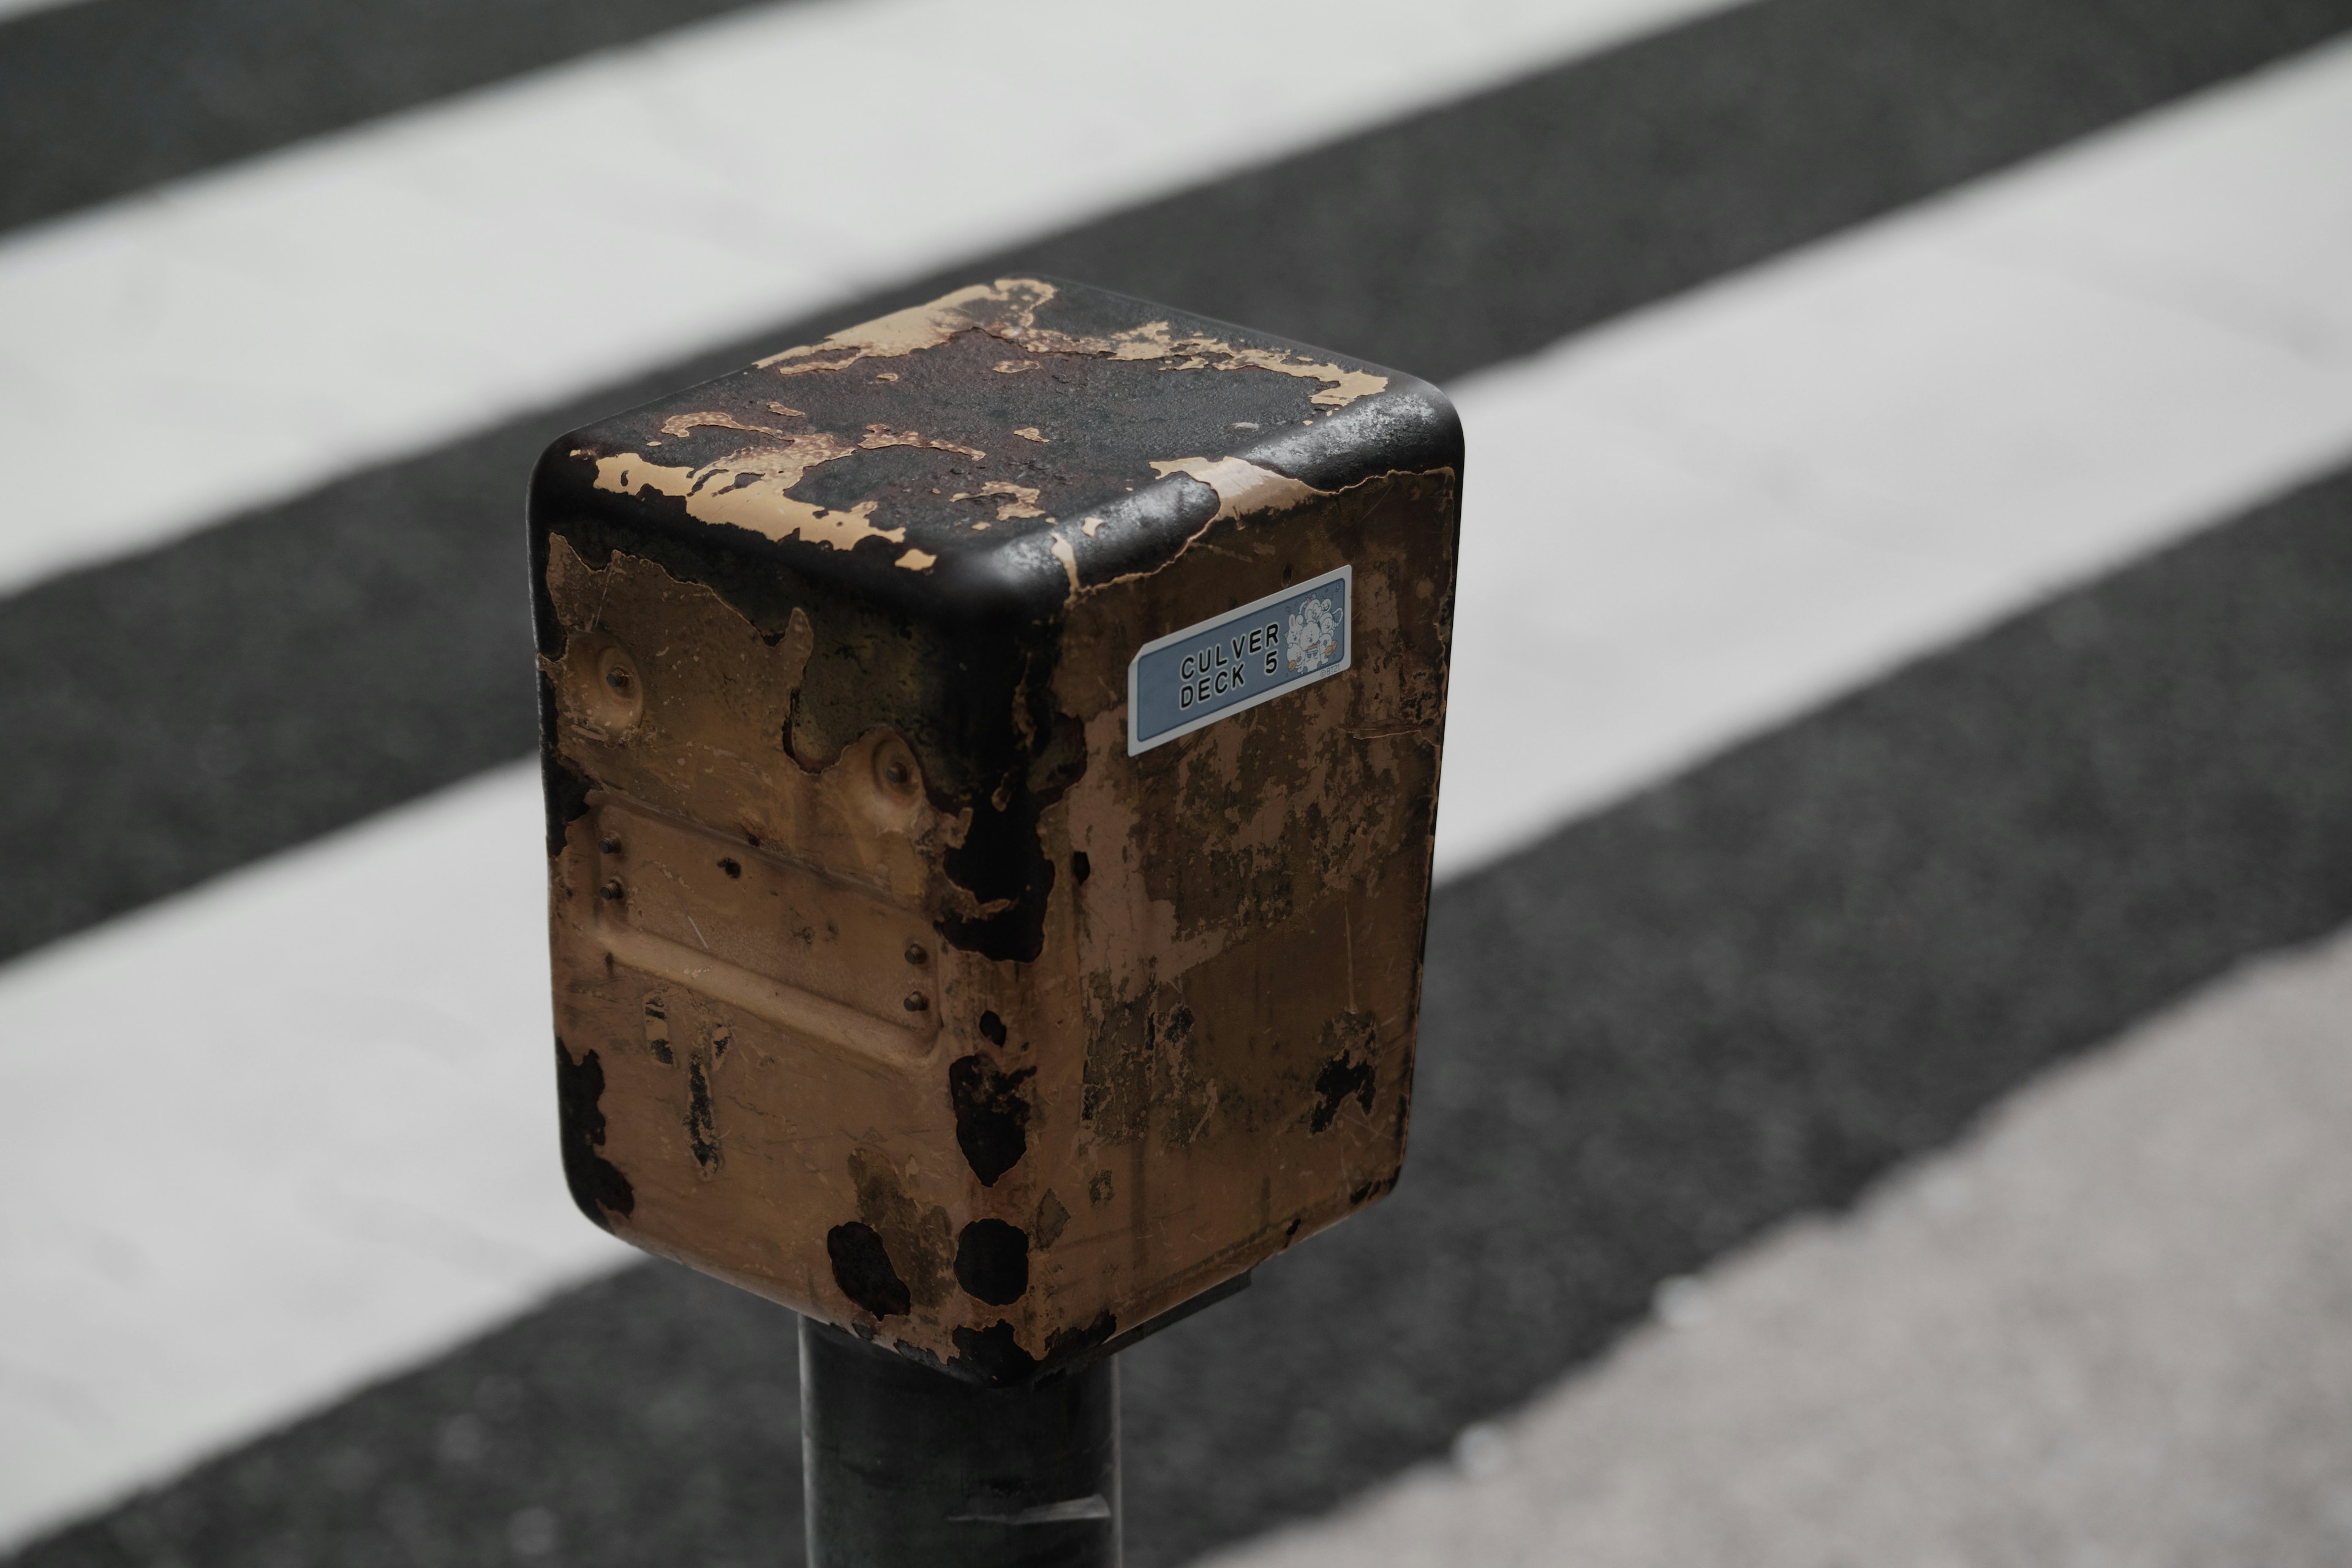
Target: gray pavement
[2112,1326]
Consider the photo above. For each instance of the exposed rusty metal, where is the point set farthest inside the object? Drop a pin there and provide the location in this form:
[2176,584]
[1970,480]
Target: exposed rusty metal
[892,982]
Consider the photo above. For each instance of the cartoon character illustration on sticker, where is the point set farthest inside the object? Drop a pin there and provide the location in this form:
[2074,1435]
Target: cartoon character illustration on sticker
[1313,640]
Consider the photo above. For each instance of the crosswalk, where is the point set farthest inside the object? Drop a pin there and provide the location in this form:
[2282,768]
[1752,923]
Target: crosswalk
[367,295]
[288,1126]
[1707,517]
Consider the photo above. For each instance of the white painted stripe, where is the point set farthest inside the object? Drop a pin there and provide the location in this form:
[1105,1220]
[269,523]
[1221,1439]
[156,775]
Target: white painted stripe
[1829,444]
[239,336]
[273,1138]
[2112,1328]
[1701,519]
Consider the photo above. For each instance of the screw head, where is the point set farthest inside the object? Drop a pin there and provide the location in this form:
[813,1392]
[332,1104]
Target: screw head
[610,696]
[915,954]
[611,891]
[917,1002]
[895,775]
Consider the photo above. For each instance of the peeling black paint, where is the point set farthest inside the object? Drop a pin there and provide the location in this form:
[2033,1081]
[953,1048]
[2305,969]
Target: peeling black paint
[596,1183]
[1060,761]
[861,1266]
[991,1355]
[566,792]
[1064,1343]
[992,1261]
[701,1129]
[999,864]
[993,1027]
[1080,867]
[992,1115]
[1342,1077]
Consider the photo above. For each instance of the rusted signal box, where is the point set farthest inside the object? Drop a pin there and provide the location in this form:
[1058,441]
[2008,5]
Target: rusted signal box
[991,762]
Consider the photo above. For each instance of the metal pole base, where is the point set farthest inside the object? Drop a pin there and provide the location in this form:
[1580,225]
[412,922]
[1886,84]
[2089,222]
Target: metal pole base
[910,1467]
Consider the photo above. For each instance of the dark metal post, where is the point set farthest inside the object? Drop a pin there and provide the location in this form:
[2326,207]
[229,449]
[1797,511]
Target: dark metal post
[910,1467]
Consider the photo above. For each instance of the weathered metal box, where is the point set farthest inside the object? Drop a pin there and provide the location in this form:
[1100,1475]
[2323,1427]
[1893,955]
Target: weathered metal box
[991,762]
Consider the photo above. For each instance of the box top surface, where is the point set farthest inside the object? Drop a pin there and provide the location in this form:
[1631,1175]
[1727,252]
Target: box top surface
[1023,428]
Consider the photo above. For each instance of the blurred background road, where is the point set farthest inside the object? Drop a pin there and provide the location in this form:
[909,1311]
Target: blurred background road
[1886,1028]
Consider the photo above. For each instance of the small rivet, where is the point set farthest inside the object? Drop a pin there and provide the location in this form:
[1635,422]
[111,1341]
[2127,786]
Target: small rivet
[894,773]
[618,678]
[612,890]
[609,844]
[915,954]
[917,1002]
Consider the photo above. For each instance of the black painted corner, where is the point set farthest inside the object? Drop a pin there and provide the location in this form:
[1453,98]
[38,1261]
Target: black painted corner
[992,1356]
[991,1112]
[596,1183]
[863,1272]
